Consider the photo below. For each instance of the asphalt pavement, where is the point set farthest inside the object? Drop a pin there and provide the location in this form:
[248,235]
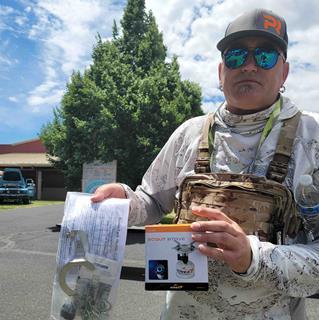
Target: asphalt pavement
[28,245]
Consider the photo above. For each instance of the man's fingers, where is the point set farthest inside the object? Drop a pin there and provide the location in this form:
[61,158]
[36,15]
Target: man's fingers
[216,253]
[221,239]
[112,190]
[101,193]
[210,213]
[215,226]
[98,197]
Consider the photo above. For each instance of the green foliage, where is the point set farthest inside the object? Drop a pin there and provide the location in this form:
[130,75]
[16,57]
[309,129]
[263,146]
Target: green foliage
[125,105]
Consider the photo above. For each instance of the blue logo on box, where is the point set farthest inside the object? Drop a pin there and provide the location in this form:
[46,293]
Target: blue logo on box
[158,269]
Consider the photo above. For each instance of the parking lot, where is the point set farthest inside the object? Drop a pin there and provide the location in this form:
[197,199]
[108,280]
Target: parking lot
[28,245]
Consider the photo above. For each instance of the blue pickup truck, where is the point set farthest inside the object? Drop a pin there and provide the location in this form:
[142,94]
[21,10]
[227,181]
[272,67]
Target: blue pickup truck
[14,186]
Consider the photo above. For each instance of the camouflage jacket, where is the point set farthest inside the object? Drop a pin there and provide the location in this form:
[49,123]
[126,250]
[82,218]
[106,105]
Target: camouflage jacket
[279,276]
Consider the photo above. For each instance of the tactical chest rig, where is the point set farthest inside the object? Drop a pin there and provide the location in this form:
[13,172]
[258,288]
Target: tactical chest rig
[261,206]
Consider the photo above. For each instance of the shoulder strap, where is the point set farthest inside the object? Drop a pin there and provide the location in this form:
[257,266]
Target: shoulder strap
[203,157]
[278,167]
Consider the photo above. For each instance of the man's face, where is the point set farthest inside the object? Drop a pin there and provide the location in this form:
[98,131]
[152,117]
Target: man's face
[250,88]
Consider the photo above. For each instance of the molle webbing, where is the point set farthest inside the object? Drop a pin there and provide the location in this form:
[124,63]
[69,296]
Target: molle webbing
[261,206]
[202,163]
[258,205]
[278,167]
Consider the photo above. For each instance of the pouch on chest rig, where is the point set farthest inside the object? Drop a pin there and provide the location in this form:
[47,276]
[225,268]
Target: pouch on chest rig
[261,206]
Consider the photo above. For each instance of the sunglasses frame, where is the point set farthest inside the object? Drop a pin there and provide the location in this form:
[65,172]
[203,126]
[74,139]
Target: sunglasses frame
[248,52]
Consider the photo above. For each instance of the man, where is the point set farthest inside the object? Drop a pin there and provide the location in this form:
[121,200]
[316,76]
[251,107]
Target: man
[249,278]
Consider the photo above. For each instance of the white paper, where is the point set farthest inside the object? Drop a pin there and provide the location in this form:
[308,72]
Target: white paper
[105,224]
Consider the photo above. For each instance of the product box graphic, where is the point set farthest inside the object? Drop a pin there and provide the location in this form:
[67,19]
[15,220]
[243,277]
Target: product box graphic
[173,261]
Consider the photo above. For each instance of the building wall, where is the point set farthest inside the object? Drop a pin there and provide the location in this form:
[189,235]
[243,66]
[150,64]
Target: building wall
[53,185]
[49,181]
[5,148]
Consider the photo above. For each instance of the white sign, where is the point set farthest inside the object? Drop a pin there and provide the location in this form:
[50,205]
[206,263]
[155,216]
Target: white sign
[96,174]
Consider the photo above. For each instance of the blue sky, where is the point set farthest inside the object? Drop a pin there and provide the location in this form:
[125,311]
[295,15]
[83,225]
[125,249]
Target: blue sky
[43,41]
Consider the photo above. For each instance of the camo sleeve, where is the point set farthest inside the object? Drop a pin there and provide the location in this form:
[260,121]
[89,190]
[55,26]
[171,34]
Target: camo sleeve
[156,194]
[289,269]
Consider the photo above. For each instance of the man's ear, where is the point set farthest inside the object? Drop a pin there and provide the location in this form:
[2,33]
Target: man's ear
[285,72]
[220,65]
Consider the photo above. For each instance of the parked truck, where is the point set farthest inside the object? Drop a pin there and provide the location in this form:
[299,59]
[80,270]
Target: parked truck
[13,186]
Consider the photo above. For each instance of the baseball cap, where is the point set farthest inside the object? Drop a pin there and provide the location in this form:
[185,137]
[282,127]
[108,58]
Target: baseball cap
[258,22]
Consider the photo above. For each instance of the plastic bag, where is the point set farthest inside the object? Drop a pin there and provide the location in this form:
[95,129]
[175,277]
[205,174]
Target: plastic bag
[89,258]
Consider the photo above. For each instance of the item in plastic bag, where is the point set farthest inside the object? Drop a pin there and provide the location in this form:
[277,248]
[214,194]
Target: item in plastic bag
[89,259]
[90,296]
[90,301]
[68,311]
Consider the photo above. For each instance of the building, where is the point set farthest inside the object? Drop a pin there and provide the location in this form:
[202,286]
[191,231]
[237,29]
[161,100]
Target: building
[31,157]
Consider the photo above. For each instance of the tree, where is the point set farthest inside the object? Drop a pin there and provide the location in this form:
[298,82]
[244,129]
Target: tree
[124,106]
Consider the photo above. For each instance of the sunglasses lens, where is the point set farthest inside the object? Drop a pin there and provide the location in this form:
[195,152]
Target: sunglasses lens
[235,58]
[266,58]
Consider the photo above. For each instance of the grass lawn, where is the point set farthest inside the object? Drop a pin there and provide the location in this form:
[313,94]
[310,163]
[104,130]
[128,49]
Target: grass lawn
[35,203]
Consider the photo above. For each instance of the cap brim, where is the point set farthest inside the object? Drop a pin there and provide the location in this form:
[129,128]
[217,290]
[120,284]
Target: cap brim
[226,42]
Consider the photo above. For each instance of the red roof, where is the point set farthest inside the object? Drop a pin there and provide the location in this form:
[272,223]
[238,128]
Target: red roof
[29,146]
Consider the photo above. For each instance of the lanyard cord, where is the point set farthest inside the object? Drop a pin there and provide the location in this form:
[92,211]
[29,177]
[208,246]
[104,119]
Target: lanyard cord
[270,122]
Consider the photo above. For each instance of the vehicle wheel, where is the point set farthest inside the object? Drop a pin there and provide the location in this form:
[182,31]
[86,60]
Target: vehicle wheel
[26,201]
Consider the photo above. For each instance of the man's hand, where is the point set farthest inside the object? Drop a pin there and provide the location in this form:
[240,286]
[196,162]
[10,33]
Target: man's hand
[106,191]
[233,246]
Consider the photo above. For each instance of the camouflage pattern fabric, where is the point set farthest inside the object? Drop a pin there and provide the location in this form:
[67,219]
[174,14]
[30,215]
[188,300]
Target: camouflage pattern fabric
[261,207]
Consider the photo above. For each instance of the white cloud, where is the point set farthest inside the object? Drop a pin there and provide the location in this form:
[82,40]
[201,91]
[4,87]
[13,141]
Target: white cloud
[193,28]
[5,10]
[48,93]
[67,30]
[13,99]
[36,100]
[12,20]
[211,106]
[21,20]
[5,61]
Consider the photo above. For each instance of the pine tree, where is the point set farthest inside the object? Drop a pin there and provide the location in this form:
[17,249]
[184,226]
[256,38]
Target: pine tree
[134,26]
[125,105]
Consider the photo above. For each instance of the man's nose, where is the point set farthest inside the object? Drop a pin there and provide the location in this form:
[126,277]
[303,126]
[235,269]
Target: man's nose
[250,64]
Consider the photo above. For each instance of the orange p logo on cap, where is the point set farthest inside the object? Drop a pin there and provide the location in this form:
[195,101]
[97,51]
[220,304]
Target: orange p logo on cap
[272,22]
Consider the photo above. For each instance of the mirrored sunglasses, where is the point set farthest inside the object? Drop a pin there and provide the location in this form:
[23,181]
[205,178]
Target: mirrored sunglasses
[265,58]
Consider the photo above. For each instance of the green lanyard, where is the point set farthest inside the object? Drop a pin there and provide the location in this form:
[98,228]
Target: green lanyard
[270,122]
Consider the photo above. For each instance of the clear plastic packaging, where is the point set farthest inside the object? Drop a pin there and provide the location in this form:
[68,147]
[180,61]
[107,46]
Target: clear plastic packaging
[89,258]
